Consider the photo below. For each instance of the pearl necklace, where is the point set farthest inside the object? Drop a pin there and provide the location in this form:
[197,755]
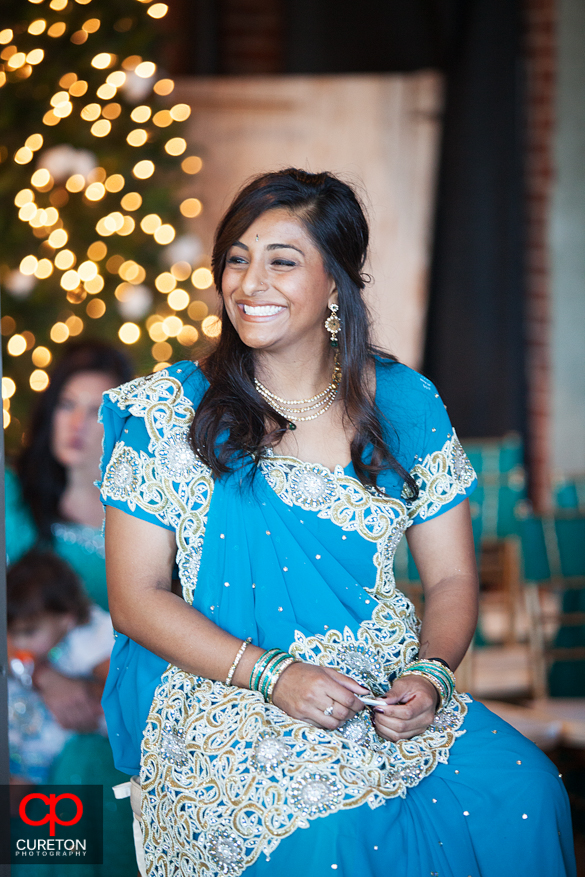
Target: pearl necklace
[299,410]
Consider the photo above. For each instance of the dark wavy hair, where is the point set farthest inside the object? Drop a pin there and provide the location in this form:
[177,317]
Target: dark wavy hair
[42,478]
[231,408]
[42,582]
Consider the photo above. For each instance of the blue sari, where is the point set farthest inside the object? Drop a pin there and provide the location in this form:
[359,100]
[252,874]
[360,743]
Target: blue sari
[301,558]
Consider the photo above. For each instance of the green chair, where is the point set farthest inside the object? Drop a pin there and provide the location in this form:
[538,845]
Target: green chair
[497,506]
[553,550]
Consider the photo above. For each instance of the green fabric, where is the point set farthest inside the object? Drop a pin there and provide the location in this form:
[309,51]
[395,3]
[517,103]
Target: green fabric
[86,758]
[21,535]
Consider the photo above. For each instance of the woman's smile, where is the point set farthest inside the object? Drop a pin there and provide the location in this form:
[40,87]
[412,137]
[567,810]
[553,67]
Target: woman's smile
[275,287]
[260,310]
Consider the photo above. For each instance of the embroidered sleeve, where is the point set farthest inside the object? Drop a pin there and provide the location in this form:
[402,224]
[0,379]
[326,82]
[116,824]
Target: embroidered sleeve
[444,475]
[149,469]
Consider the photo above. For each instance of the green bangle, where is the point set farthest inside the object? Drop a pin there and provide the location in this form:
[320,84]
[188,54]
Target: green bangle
[290,660]
[440,676]
[269,671]
[259,667]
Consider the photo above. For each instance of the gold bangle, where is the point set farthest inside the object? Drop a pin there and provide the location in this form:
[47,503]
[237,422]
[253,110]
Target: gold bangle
[237,660]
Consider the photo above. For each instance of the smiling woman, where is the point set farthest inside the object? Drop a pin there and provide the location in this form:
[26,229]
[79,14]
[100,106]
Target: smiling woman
[293,686]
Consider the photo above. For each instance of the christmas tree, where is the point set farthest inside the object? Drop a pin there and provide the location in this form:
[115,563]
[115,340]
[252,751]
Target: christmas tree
[94,236]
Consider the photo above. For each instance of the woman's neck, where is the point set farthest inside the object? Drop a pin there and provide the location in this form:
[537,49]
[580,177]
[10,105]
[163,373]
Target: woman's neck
[81,501]
[295,375]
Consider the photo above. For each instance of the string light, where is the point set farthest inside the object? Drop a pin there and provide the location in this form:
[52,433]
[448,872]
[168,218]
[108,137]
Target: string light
[95,309]
[95,285]
[144,169]
[137,137]
[172,326]
[41,357]
[70,280]
[16,345]
[178,300]
[28,265]
[141,114]
[59,333]
[181,270]
[57,238]
[157,10]
[115,183]
[145,69]
[25,196]
[188,336]
[101,128]
[176,146]
[165,234]
[103,60]
[150,223]
[106,91]
[41,178]
[180,112]
[75,183]
[64,260]
[8,388]
[44,269]
[211,326]
[65,174]
[79,88]
[131,201]
[57,30]
[95,191]
[97,251]
[129,333]
[191,207]
[161,351]
[165,282]
[192,164]
[162,119]
[39,380]
[157,332]
[111,111]
[202,278]
[163,87]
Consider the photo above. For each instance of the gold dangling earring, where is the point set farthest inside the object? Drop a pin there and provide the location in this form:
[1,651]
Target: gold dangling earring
[333,325]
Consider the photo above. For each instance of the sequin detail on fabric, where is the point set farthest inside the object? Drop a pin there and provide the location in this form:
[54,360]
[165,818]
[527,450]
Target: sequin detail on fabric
[231,774]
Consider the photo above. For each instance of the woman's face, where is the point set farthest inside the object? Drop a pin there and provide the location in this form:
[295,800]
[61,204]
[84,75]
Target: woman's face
[77,435]
[275,287]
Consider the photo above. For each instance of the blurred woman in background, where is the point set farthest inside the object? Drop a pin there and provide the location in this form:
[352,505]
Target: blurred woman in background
[53,503]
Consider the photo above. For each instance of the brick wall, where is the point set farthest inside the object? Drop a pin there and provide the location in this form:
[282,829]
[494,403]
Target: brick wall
[250,37]
[540,45]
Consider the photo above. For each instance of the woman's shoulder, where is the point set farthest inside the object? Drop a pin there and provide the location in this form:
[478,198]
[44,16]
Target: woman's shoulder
[180,384]
[398,385]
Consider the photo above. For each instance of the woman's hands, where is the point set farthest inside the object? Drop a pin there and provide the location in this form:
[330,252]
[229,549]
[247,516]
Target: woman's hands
[73,702]
[305,691]
[410,708]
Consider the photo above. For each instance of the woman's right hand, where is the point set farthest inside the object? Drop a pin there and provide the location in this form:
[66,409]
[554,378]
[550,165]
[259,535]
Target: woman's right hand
[71,701]
[305,691]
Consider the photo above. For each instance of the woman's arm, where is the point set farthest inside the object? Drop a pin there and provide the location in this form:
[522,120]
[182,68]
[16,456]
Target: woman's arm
[444,555]
[139,561]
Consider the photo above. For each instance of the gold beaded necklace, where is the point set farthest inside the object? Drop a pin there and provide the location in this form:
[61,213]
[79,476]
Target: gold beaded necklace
[299,410]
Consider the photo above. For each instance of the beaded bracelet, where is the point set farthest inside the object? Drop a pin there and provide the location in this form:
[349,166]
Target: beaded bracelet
[237,660]
[267,671]
[441,677]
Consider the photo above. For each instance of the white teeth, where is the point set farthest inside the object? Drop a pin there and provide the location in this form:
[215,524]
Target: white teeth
[262,310]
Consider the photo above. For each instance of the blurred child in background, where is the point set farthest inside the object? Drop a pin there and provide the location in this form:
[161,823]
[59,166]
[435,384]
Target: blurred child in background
[51,623]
